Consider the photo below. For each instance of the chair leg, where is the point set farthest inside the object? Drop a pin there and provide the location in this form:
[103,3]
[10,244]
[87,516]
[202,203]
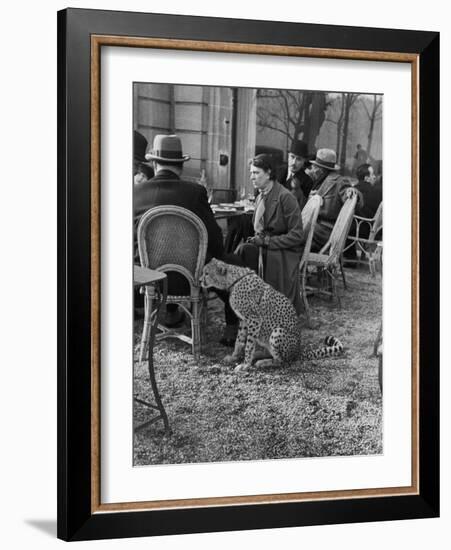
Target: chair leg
[372,264]
[343,273]
[195,330]
[334,288]
[305,300]
[148,305]
[203,317]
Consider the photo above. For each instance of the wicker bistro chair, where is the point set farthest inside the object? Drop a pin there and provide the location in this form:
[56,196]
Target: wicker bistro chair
[367,247]
[309,217]
[171,238]
[328,261]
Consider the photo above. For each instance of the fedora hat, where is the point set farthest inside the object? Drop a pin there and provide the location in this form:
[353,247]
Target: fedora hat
[167,149]
[300,149]
[326,158]
[139,146]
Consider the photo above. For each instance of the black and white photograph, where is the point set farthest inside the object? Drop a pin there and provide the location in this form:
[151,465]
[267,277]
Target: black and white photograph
[258,260]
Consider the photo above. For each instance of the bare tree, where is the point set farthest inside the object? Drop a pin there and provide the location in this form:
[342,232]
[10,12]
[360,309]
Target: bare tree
[349,99]
[374,113]
[344,104]
[295,114]
[340,100]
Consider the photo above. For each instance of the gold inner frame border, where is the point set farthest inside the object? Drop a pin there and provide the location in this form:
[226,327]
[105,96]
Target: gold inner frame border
[97,41]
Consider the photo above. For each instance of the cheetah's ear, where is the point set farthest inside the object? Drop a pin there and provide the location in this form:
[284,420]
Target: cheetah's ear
[222,269]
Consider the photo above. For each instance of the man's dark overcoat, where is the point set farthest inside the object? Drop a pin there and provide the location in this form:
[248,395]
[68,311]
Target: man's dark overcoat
[300,184]
[166,188]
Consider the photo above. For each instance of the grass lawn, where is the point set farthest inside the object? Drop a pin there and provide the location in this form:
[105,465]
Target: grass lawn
[321,407]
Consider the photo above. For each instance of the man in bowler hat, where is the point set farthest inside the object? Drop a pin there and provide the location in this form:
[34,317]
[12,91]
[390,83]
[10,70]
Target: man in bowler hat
[333,188]
[293,176]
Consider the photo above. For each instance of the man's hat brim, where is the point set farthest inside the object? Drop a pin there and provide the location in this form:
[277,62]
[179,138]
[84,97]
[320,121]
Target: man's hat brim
[139,158]
[172,160]
[334,167]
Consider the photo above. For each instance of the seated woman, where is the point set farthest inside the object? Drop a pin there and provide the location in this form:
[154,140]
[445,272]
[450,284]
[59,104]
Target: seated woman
[278,232]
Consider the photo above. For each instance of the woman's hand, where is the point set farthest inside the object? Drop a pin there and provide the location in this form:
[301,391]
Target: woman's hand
[259,240]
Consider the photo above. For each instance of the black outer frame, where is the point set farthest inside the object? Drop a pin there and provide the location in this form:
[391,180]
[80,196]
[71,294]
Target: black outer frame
[75,520]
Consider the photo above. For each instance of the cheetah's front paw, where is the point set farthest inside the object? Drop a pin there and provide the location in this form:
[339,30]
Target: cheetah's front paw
[242,367]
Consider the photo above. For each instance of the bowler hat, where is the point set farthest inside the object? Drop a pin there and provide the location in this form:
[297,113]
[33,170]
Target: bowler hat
[139,146]
[326,158]
[300,148]
[167,149]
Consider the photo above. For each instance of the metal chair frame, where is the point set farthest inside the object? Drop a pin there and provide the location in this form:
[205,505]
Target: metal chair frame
[309,217]
[194,304]
[368,248]
[328,261]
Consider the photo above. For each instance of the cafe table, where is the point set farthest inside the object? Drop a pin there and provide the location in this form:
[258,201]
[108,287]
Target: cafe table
[239,224]
[142,277]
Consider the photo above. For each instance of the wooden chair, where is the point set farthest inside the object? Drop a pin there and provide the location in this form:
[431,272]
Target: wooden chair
[309,217]
[367,247]
[171,238]
[328,261]
[378,352]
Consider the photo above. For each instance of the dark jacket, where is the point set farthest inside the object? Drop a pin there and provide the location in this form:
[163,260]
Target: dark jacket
[283,223]
[333,189]
[371,199]
[167,188]
[300,184]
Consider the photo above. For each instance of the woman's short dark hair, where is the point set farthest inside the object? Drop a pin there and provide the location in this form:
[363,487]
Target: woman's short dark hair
[264,162]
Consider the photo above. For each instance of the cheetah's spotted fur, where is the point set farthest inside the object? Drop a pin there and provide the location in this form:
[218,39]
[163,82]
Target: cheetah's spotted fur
[266,316]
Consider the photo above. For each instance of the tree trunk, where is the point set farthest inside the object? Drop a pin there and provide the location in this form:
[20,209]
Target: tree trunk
[349,100]
[344,142]
[377,102]
[316,119]
[338,144]
[370,136]
[340,128]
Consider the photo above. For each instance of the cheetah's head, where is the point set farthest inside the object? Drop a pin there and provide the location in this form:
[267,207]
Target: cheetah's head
[218,274]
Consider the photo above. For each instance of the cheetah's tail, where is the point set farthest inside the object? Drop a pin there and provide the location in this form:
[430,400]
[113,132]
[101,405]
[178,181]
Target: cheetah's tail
[333,346]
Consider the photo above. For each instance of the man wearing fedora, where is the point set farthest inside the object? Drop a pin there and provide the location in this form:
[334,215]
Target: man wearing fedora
[334,189]
[293,176]
[168,187]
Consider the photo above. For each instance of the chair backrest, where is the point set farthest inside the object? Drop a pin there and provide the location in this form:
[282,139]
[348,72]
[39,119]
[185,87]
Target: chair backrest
[172,238]
[335,245]
[309,216]
[376,226]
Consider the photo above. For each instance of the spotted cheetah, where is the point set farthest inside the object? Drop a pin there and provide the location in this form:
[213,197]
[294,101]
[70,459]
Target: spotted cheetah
[266,316]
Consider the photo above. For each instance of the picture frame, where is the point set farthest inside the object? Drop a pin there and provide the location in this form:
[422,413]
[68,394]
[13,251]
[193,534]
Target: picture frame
[81,36]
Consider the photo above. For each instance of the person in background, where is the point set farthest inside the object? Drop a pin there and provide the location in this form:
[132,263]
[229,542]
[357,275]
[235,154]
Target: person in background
[141,169]
[334,189]
[293,176]
[360,157]
[278,232]
[371,193]
[370,199]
